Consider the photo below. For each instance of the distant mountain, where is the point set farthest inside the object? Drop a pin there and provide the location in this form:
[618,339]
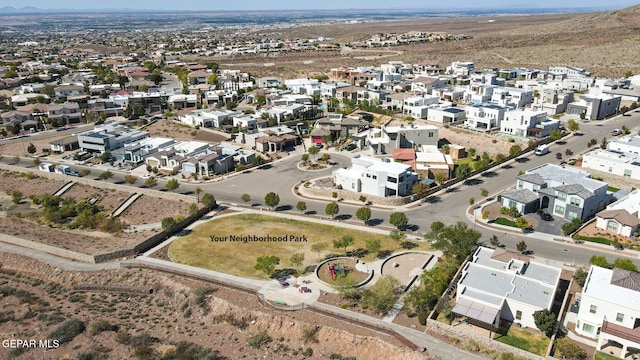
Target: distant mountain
[23,10]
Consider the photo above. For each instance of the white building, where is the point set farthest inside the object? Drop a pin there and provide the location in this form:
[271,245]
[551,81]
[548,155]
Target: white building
[505,285]
[378,177]
[303,86]
[527,123]
[621,217]
[610,309]
[208,118]
[508,96]
[446,115]
[384,140]
[595,107]
[484,117]
[621,159]
[417,106]
[462,68]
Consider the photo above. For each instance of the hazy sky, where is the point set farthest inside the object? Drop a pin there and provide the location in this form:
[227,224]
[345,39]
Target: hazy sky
[299,4]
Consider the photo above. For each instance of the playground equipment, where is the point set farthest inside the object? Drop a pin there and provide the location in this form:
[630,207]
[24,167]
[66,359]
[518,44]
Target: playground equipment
[337,269]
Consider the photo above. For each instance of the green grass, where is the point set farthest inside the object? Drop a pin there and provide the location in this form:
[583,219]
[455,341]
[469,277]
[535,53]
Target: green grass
[599,240]
[525,340]
[238,258]
[604,356]
[504,221]
[612,189]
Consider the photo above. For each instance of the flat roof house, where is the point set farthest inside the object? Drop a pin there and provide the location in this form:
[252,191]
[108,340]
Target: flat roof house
[504,285]
[378,177]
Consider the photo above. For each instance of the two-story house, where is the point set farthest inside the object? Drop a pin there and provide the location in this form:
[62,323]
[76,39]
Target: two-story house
[378,177]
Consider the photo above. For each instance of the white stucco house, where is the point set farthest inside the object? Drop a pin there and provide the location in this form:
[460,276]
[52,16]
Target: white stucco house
[527,123]
[610,309]
[378,177]
[621,217]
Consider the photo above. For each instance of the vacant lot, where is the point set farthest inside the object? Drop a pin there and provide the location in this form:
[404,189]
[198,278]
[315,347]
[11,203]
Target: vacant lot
[28,183]
[107,199]
[179,131]
[148,210]
[239,258]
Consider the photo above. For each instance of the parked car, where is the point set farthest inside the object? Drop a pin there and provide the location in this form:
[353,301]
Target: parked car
[146,176]
[527,252]
[350,147]
[616,132]
[619,247]
[319,145]
[546,216]
[74,173]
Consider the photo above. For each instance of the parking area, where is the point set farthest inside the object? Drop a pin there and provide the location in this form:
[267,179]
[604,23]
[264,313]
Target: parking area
[553,227]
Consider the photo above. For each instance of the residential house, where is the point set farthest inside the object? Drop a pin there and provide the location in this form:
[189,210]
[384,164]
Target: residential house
[450,93]
[245,121]
[135,152]
[395,101]
[62,92]
[528,123]
[595,107]
[566,192]
[269,82]
[609,309]
[618,163]
[179,102]
[446,115]
[171,158]
[501,285]
[484,117]
[198,77]
[216,98]
[349,93]
[384,140]
[272,139]
[108,137]
[430,161]
[105,106]
[418,106]
[425,84]
[377,177]
[67,113]
[303,86]
[143,103]
[478,93]
[508,96]
[68,143]
[460,68]
[209,118]
[556,101]
[622,217]
[25,99]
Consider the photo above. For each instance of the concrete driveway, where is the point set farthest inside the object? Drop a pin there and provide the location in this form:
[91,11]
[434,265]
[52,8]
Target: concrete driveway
[553,227]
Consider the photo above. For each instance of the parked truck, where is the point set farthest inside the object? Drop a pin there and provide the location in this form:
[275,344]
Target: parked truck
[46,167]
[63,169]
[542,149]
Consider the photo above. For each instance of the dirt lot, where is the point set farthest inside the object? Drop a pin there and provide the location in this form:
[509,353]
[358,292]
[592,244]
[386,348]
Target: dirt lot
[178,310]
[107,199]
[148,210]
[20,148]
[179,131]
[28,184]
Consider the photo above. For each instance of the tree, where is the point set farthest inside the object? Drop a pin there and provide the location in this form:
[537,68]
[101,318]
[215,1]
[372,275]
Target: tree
[106,157]
[472,200]
[318,248]
[399,220]
[573,125]
[85,172]
[625,264]
[272,200]
[472,153]
[420,189]
[463,170]
[151,183]
[343,243]
[555,135]
[267,264]
[521,223]
[457,240]
[31,149]
[514,150]
[571,227]
[301,206]
[197,191]
[494,241]
[484,192]
[130,179]
[209,200]
[297,259]
[332,209]
[545,321]
[566,348]
[106,175]
[172,184]
[599,260]
[373,246]
[580,277]
[397,236]
[558,155]
[521,246]
[363,199]
[246,198]
[604,143]
[313,151]
[364,214]
[169,223]
[382,296]
[305,157]
[440,178]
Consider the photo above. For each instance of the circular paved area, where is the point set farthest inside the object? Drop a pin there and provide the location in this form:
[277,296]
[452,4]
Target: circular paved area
[405,266]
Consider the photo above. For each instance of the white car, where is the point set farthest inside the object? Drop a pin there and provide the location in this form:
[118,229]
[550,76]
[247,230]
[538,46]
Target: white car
[146,176]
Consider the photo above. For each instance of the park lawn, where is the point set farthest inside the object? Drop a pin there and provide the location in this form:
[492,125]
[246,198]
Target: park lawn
[522,339]
[238,258]
[604,356]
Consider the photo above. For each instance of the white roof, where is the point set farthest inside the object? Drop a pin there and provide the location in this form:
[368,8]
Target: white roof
[556,175]
[599,286]
[631,203]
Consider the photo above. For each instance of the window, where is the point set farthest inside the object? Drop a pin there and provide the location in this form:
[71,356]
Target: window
[392,179]
[612,226]
[587,328]
[575,201]
[520,184]
[572,215]
[627,173]
[620,317]
[518,315]
[512,203]
[374,177]
[559,210]
[593,309]
[562,196]
[430,134]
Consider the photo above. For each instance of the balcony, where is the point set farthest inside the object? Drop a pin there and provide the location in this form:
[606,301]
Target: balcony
[621,331]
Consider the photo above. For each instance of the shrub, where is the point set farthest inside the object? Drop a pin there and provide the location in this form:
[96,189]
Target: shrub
[259,338]
[67,331]
[422,317]
[101,325]
[143,339]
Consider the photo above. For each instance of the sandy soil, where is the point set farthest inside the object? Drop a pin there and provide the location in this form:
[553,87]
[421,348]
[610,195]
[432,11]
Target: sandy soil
[149,210]
[34,186]
[179,131]
[223,321]
[20,148]
[107,199]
